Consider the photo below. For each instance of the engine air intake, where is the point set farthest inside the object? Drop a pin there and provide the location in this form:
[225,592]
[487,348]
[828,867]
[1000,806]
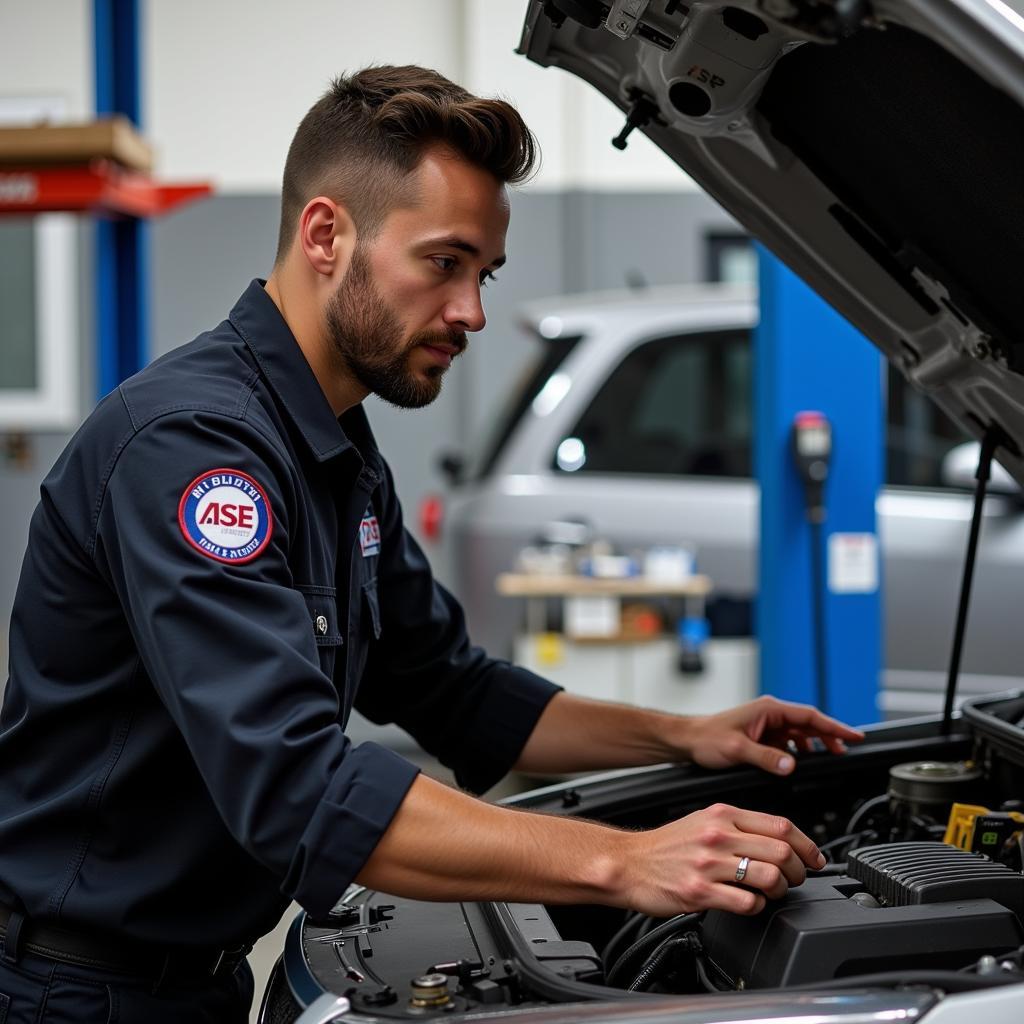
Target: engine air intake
[910,874]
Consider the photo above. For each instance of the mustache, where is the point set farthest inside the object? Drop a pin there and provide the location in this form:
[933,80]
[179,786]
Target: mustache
[456,339]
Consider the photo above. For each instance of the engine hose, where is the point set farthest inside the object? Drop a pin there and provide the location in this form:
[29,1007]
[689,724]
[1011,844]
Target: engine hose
[633,921]
[650,969]
[673,925]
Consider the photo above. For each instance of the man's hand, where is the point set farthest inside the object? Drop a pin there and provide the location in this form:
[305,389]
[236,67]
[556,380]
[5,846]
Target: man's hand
[575,734]
[691,864]
[760,733]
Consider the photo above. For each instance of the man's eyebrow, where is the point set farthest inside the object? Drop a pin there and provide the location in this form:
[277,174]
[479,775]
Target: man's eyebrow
[454,242]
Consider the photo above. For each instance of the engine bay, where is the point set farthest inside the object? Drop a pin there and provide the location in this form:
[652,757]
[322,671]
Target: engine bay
[926,876]
[923,829]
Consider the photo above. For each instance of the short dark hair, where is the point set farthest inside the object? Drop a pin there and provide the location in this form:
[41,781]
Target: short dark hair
[364,137]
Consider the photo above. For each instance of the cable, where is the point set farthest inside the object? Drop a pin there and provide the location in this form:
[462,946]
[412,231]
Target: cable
[632,921]
[818,593]
[850,838]
[670,927]
[705,978]
[865,808]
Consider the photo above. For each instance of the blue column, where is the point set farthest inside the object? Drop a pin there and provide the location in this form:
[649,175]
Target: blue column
[122,246]
[807,357]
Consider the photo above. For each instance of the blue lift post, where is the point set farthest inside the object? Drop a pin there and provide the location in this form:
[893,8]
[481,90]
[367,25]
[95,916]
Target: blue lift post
[122,245]
[807,357]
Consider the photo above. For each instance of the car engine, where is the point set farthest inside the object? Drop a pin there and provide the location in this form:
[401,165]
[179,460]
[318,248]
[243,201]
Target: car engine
[898,900]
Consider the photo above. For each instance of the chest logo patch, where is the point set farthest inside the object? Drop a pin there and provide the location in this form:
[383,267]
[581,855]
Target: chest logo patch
[369,536]
[225,515]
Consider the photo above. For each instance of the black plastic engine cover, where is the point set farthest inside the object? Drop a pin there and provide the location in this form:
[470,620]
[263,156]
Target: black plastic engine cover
[818,932]
[901,874]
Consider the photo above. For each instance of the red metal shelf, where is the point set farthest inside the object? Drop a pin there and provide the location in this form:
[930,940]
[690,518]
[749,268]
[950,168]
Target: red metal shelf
[99,187]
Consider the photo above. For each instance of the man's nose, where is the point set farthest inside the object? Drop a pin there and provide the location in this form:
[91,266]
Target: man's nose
[465,312]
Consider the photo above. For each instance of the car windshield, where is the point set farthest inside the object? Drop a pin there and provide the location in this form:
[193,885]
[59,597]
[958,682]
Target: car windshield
[550,355]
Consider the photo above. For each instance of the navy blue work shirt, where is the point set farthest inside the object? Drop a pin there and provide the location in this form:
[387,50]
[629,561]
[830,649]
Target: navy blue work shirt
[216,573]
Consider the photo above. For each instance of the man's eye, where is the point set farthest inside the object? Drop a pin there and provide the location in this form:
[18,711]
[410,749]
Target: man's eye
[485,277]
[444,262]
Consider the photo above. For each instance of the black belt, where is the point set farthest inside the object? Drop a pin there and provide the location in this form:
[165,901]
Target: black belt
[144,961]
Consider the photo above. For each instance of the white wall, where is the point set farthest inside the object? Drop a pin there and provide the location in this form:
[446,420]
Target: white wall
[46,50]
[227,83]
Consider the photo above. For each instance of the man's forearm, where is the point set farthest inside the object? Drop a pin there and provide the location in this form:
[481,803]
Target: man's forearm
[575,734]
[444,845]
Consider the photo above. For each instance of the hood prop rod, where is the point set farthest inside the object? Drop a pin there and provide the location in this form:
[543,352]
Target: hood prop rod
[989,444]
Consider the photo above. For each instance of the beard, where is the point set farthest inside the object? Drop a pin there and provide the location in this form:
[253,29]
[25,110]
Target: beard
[366,339]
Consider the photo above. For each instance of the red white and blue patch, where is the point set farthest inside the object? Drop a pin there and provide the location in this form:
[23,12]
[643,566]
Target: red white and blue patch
[225,515]
[369,536]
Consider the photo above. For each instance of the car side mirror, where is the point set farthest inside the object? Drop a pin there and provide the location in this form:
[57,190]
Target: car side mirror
[961,463]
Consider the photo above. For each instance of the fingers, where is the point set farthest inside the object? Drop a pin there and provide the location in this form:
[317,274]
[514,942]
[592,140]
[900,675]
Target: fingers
[810,720]
[782,830]
[734,899]
[771,853]
[760,883]
[766,877]
[806,741]
[771,759]
[691,864]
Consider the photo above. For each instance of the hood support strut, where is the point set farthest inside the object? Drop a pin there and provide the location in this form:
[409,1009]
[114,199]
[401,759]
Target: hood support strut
[989,444]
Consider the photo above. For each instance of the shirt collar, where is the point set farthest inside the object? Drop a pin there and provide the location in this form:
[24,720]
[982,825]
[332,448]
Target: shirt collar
[285,369]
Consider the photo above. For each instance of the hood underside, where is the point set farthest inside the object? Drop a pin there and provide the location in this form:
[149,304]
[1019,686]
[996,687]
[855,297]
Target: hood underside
[876,146]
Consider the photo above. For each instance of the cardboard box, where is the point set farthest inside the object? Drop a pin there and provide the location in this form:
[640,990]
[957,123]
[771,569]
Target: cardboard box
[109,138]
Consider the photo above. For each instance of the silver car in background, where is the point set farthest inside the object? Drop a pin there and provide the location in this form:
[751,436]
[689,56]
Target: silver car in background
[636,420]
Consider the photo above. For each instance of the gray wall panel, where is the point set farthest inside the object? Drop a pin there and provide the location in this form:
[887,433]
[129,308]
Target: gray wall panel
[19,484]
[655,239]
[203,258]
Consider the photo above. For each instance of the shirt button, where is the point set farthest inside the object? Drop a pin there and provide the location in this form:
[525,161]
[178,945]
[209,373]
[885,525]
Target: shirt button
[321,624]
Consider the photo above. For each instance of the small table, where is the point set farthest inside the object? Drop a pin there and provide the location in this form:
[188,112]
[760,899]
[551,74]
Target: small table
[629,669]
[536,589]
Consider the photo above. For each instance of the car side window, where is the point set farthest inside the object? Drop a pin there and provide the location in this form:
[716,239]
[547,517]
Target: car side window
[674,405]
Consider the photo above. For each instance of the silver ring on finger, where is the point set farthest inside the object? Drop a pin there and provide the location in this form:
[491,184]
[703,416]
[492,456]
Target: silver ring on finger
[741,870]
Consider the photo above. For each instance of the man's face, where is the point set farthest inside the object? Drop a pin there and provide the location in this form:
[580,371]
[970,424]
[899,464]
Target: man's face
[409,296]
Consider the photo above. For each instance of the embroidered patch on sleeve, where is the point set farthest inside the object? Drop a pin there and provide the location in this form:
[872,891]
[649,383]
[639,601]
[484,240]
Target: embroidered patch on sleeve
[225,515]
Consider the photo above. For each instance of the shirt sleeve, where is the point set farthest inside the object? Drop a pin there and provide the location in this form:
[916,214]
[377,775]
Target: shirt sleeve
[473,712]
[230,649]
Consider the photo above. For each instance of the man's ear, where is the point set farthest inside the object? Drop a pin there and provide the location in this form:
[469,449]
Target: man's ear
[327,237]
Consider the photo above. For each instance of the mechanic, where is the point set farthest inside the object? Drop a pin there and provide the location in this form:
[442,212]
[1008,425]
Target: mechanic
[217,573]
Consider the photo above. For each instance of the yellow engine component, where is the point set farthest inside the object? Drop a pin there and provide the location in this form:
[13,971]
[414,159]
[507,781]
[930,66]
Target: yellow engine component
[977,828]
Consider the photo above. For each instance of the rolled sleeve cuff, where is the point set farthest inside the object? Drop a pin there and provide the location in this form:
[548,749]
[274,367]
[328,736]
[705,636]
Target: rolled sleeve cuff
[355,811]
[514,702]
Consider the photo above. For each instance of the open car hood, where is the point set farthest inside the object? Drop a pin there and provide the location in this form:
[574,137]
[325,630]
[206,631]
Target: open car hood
[876,146]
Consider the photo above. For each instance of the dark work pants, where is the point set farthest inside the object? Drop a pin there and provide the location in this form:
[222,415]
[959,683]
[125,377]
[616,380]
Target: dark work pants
[40,991]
